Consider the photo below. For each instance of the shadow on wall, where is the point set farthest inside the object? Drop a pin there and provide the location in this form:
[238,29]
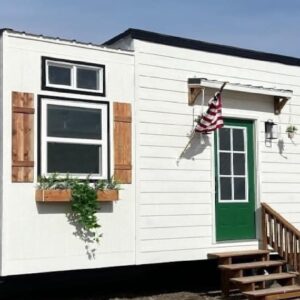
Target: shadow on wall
[65,208]
[197,145]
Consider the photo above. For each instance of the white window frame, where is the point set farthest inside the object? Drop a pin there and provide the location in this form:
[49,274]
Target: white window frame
[73,67]
[103,174]
[245,152]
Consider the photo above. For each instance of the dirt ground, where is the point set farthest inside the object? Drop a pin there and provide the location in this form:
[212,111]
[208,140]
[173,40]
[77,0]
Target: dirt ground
[184,296]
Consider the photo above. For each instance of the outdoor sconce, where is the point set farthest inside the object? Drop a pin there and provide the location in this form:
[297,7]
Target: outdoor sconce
[271,130]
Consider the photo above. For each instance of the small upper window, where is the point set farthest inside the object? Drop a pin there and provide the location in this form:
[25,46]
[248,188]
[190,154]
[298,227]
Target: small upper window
[73,77]
[60,75]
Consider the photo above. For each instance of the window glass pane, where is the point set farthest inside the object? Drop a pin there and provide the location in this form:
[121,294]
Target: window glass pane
[74,158]
[59,75]
[238,164]
[87,79]
[73,122]
[225,163]
[238,140]
[225,188]
[224,138]
[239,189]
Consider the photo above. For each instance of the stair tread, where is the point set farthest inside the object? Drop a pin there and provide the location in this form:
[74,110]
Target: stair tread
[254,264]
[259,278]
[275,290]
[237,253]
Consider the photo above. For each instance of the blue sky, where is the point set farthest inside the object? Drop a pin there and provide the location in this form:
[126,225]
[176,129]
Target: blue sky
[267,25]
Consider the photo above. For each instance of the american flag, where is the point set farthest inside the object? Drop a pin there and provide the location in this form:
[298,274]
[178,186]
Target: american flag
[212,118]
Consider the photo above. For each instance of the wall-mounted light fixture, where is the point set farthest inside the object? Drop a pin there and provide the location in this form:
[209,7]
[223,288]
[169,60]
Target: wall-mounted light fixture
[271,130]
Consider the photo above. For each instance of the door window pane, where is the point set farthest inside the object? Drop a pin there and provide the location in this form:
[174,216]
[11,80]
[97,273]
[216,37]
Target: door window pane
[225,163]
[224,138]
[87,79]
[59,75]
[74,158]
[239,189]
[73,122]
[238,139]
[225,188]
[239,164]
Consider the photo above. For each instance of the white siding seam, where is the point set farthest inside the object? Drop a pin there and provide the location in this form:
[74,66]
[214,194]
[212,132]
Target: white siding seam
[213,63]
[215,74]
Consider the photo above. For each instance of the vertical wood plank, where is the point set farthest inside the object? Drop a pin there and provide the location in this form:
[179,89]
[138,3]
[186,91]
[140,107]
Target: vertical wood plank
[276,234]
[122,142]
[264,232]
[281,240]
[286,242]
[22,137]
[271,230]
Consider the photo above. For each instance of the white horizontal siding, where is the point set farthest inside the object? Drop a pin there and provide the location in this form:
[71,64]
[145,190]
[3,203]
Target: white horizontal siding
[175,202]
[175,221]
[174,197]
[175,209]
[196,231]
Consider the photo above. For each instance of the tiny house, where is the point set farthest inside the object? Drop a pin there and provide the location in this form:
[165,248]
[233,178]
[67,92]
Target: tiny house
[125,108]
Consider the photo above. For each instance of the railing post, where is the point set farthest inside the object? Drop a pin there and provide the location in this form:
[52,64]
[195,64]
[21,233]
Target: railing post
[264,241]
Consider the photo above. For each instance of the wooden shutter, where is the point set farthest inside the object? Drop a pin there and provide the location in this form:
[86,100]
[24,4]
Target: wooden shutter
[122,142]
[22,137]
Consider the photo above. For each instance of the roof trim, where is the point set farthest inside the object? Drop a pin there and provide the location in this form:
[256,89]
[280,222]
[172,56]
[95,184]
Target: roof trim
[63,41]
[180,42]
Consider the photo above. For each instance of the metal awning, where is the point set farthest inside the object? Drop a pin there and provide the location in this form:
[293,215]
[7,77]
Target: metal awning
[281,96]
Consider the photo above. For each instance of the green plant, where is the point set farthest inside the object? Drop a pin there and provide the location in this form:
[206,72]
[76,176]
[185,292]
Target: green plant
[84,207]
[83,203]
[110,184]
[291,129]
[53,181]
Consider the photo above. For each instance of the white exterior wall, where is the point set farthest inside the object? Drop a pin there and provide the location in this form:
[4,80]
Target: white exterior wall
[1,145]
[37,237]
[176,203]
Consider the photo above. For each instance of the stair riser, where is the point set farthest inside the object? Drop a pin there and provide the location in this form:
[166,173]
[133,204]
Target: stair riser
[246,287]
[230,260]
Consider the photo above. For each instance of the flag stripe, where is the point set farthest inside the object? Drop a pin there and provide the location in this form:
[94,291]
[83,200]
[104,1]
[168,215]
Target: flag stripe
[212,118]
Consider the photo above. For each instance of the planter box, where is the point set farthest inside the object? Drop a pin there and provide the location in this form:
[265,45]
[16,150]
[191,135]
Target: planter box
[108,195]
[66,195]
[53,195]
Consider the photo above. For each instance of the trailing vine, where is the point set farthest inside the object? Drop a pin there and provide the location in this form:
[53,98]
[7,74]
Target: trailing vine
[84,208]
[84,203]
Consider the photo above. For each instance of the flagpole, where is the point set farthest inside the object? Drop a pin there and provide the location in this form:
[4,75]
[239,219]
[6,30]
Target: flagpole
[194,131]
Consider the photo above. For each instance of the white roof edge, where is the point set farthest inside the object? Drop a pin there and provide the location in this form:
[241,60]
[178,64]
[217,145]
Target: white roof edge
[57,40]
[247,88]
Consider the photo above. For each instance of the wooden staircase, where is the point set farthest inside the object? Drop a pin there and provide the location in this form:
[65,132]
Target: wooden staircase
[254,273]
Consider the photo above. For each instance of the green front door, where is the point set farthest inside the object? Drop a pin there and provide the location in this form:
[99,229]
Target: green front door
[235,181]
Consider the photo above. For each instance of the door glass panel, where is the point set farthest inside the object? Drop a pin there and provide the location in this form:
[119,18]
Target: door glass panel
[225,163]
[225,188]
[239,189]
[224,138]
[238,139]
[238,163]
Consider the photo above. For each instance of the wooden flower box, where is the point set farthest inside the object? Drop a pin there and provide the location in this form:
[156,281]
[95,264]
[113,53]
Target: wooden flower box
[60,195]
[108,195]
[53,195]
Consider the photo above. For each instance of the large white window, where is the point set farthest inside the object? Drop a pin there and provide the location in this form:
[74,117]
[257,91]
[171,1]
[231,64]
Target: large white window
[71,76]
[74,138]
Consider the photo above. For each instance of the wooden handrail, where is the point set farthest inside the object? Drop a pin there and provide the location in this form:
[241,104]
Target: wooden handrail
[280,235]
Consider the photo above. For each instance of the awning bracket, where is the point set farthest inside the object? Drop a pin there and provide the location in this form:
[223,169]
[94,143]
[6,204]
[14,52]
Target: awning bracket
[279,103]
